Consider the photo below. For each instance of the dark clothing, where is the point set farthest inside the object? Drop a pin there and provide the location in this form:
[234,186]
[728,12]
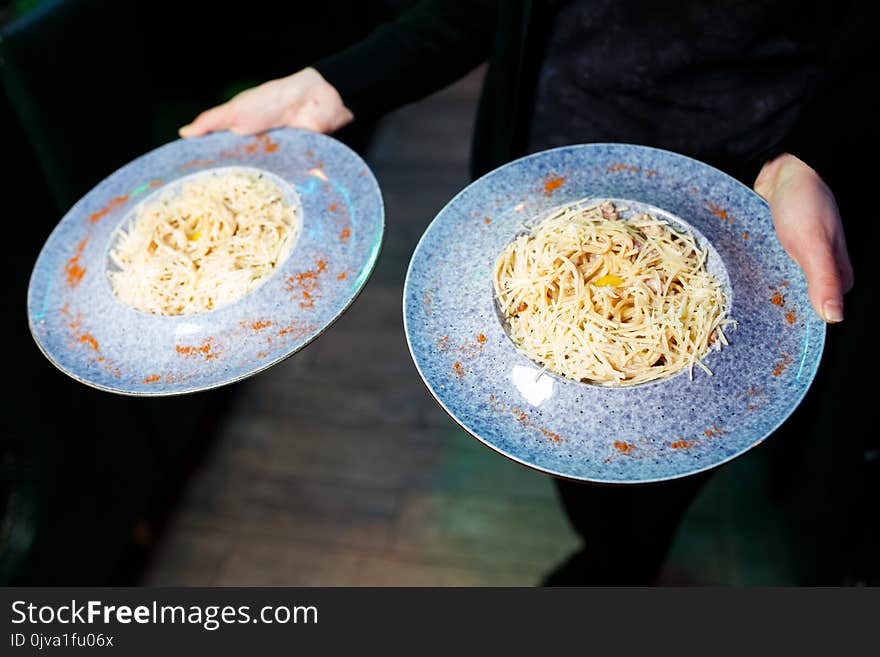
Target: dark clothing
[721,81]
[627,530]
[819,54]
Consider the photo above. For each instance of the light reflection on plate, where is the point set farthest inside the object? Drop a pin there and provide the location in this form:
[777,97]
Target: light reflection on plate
[533,384]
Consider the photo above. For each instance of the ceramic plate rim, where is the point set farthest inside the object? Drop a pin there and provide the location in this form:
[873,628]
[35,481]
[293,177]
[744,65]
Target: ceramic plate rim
[369,268]
[555,473]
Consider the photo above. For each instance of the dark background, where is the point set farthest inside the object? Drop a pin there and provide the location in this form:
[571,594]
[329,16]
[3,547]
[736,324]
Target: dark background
[235,489]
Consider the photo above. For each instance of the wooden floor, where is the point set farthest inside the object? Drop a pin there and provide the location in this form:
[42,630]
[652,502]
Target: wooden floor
[337,467]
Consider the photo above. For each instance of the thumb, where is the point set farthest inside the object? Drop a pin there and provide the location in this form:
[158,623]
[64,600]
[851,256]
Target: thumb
[809,227]
[824,279]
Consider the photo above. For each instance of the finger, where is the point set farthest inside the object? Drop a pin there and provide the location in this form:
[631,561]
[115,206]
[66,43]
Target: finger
[250,127]
[824,280]
[216,118]
[251,121]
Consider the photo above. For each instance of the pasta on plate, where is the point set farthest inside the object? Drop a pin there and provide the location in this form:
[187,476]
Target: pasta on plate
[215,240]
[601,299]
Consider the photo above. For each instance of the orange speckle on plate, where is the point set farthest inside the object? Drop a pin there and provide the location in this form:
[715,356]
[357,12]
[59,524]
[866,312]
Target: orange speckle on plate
[443,343]
[207,349]
[681,443]
[73,269]
[294,330]
[306,283]
[719,212]
[152,378]
[777,299]
[622,167]
[552,184]
[623,446]
[88,338]
[791,316]
[269,146]
[345,234]
[97,215]
[332,207]
[745,235]
[341,276]
[552,436]
[114,202]
[261,354]
[194,163]
[481,338]
[487,220]
[781,365]
[458,370]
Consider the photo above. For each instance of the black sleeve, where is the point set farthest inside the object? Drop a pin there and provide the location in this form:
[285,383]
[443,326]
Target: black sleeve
[427,47]
[839,123]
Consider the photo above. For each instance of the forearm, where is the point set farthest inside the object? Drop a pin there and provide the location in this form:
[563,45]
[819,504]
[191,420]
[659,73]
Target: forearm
[426,48]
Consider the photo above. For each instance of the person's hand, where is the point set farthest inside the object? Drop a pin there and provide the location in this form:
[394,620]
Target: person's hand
[302,100]
[808,224]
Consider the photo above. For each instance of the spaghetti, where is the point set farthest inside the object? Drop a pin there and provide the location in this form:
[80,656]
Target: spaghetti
[598,298]
[210,244]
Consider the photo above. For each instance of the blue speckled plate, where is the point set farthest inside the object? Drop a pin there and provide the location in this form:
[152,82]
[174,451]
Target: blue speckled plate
[90,335]
[661,430]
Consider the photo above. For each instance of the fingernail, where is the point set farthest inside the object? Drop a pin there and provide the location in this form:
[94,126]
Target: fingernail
[833,311]
[185,129]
